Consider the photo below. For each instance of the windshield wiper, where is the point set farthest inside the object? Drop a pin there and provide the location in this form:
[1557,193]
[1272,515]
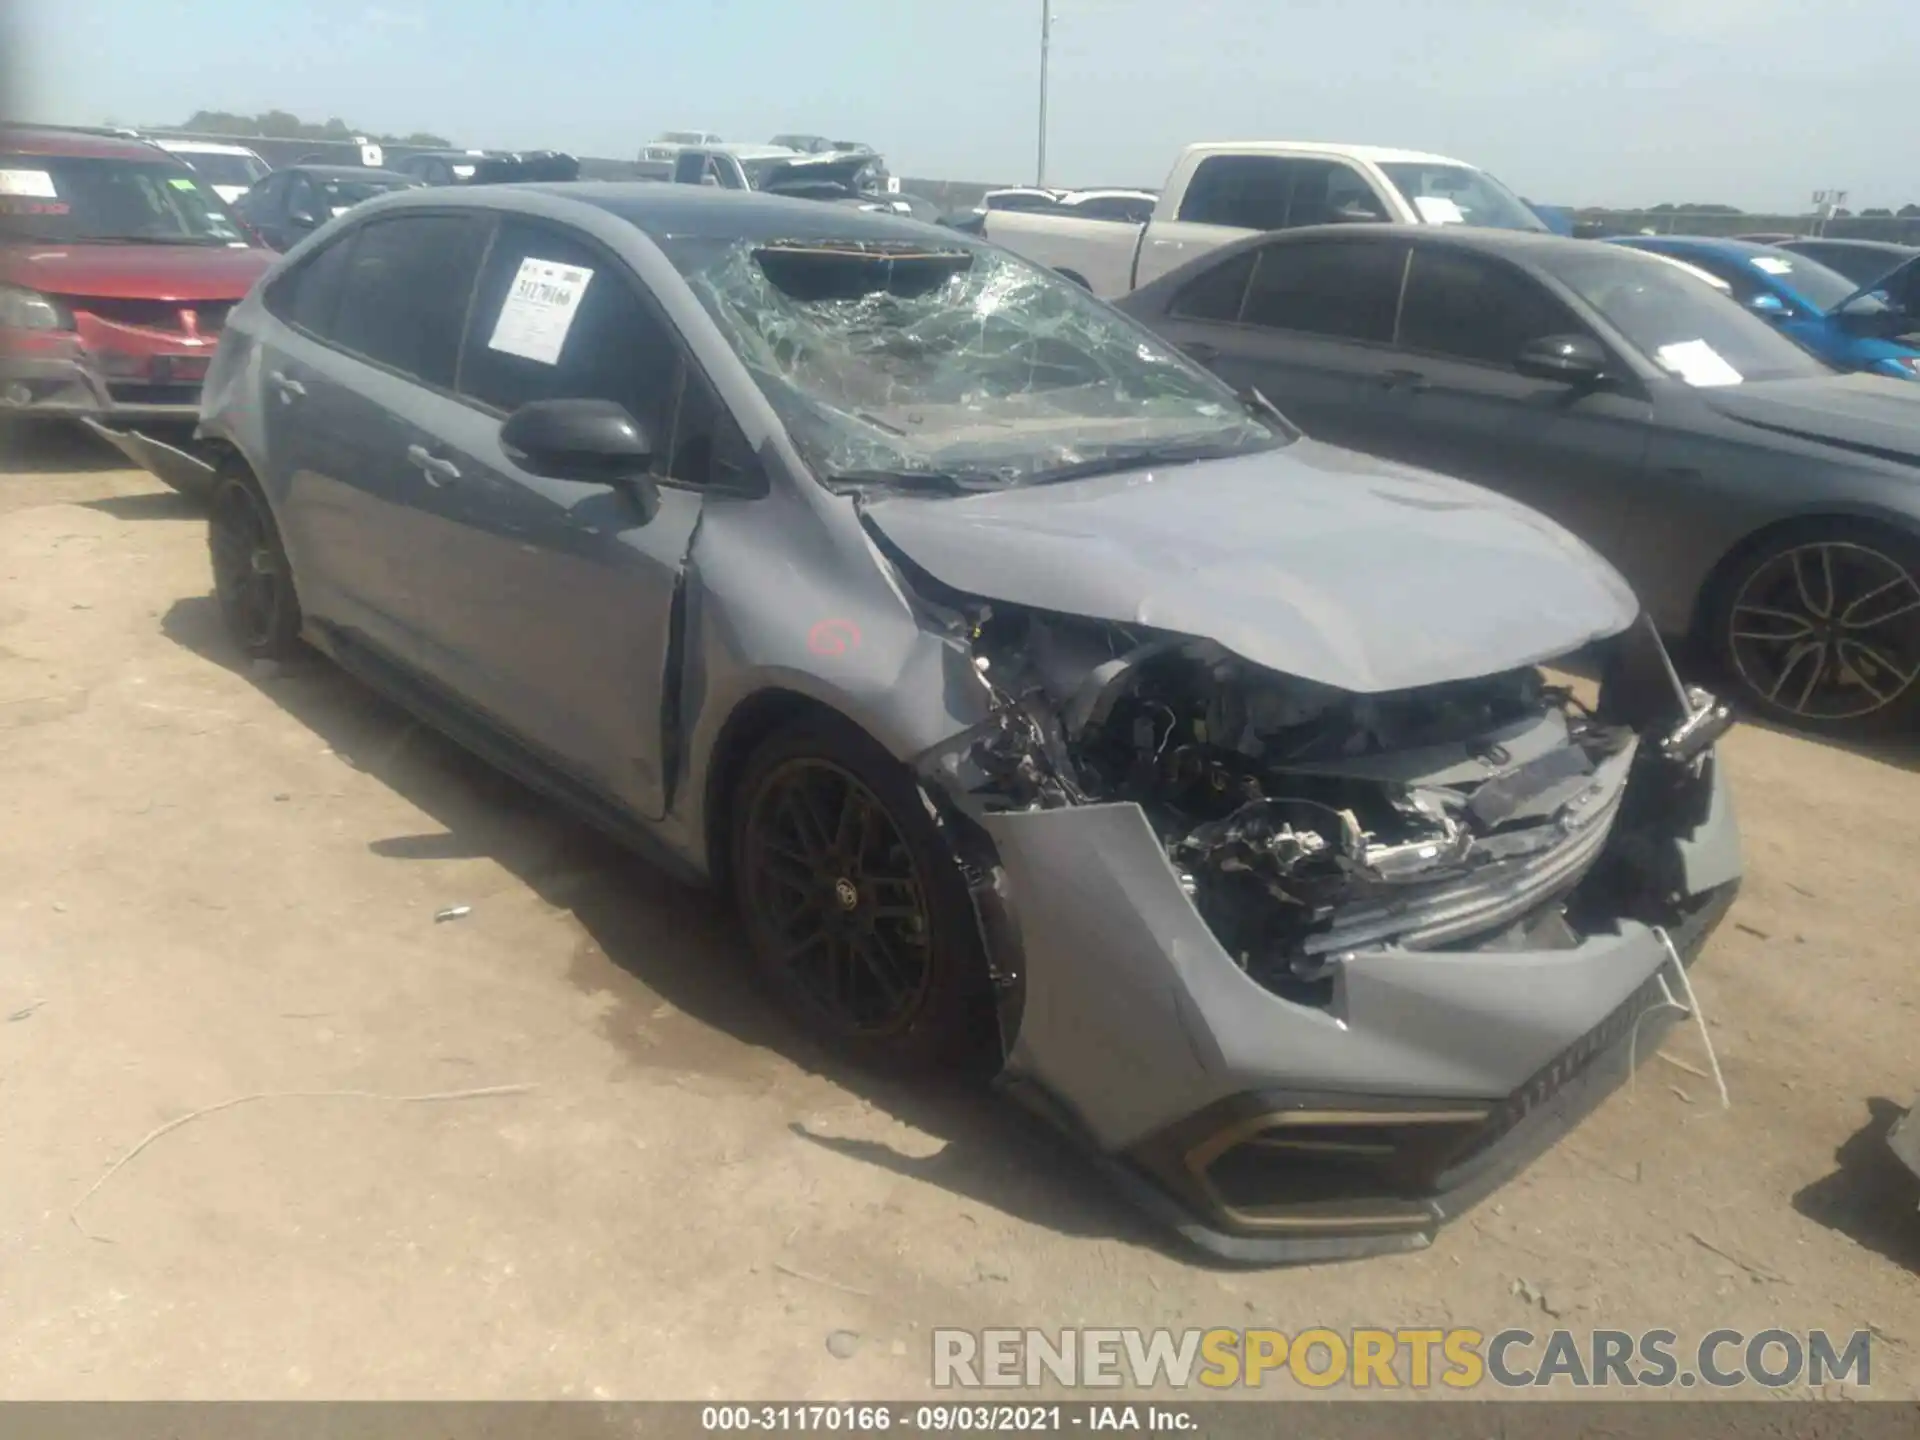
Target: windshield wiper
[1264,409]
[1148,457]
[941,482]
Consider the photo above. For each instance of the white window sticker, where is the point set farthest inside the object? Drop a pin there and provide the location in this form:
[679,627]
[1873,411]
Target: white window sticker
[1439,210]
[1697,363]
[539,310]
[1771,265]
[464,172]
[37,183]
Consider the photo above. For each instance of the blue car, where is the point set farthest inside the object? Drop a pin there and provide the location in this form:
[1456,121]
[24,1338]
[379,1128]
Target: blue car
[1848,326]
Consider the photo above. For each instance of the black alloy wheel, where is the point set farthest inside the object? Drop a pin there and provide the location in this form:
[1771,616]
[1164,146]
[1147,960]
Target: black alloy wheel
[855,909]
[1822,629]
[251,578]
[830,875]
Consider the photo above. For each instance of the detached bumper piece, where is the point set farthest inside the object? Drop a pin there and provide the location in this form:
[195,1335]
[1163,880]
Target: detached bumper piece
[179,464]
[1277,1178]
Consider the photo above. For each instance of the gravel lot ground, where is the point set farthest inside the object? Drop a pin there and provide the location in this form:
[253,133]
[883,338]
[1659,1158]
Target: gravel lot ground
[215,886]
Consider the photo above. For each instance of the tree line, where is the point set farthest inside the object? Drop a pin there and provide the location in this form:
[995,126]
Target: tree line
[1872,212]
[279,125]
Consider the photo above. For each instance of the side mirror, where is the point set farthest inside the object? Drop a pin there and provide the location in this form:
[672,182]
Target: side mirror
[1770,307]
[1354,213]
[593,441]
[1569,359]
[304,218]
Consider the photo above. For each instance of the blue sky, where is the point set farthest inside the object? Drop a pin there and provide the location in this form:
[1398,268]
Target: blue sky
[1752,102]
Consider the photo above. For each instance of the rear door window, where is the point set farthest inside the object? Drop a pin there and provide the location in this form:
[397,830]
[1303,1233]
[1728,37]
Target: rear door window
[1218,294]
[1249,192]
[1471,307]
[307,296]
[1343,289]
[404,293]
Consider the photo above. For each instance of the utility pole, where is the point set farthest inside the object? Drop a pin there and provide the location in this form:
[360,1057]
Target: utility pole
[1046,50]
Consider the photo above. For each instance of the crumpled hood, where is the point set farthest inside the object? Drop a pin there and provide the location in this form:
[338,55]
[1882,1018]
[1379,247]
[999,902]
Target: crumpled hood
[1859,412]
[1310,560]
[135,272]
[832,168]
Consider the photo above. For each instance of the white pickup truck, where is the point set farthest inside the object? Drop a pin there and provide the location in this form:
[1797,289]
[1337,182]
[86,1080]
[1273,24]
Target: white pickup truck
[1221,191]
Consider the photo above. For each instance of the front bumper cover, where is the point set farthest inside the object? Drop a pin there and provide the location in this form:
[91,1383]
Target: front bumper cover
[1431,1078]
[76,385]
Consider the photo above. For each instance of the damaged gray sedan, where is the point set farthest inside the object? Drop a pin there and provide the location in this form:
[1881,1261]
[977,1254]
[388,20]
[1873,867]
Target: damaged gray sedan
[1027,688]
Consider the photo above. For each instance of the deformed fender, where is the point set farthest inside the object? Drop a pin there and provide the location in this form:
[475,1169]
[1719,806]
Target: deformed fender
[779,596]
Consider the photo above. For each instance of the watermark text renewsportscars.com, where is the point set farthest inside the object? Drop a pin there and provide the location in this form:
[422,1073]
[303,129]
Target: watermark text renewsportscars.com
[1396,1359]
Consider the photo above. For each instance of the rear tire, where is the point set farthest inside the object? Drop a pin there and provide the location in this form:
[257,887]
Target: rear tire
[856,912]
[252,580]
[1819,629]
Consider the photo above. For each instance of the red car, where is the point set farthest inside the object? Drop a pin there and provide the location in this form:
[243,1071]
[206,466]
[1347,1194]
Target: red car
[118,265]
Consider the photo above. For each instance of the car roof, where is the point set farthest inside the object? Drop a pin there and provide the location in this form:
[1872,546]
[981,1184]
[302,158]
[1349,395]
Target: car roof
[1888,247]
[747,151]
[1466,237]
[1523,246]
[662,211]
[1719,245]
[200,147]
[1376,154]
[348,172]
[73,144]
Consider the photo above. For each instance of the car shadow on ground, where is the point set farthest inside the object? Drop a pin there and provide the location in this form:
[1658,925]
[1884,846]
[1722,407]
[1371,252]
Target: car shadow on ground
[50,447]
[1871,1198]
[148,505]
[681,943]
[1902,752]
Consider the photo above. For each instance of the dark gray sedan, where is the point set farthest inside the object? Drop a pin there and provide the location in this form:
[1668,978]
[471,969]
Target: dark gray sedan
[1758,502]
[1029,689]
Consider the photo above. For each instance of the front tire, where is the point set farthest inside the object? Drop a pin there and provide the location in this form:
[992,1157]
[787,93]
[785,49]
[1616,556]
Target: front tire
[1819,629]
[252,580]
[855,909]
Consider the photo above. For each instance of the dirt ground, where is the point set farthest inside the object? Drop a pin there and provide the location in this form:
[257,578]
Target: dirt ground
[217,886]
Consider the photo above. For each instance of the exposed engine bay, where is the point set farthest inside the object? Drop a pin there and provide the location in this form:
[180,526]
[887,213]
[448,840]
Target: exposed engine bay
[1309,824]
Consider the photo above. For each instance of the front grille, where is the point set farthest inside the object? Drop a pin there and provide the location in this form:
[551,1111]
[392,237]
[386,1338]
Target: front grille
[209,316]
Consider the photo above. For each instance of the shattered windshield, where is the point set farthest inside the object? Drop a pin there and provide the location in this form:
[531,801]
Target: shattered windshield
[904,361]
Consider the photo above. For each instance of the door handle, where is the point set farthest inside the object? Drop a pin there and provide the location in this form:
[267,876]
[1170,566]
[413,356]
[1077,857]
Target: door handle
[437,470]
[1403,380]
[1203,352]
[286,385]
